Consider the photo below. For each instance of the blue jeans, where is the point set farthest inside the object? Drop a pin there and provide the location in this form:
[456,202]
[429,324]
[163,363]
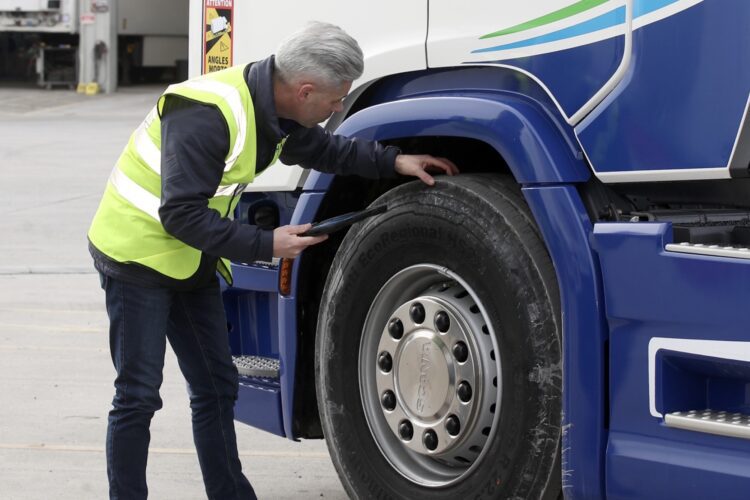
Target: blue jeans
[141,322]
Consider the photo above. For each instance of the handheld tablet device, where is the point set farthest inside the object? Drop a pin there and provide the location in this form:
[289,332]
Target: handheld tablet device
[333,224]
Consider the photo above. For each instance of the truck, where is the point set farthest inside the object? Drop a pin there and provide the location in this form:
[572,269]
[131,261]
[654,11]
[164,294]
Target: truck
[45,35]
[43,16]
[566,317]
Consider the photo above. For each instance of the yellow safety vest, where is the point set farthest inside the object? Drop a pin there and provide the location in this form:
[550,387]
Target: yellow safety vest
[127,227]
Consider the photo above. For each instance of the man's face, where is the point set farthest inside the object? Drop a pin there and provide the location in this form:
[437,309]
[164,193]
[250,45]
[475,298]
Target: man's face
[318,102]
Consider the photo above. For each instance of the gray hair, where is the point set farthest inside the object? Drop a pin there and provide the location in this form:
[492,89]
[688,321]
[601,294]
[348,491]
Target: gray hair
[321,51]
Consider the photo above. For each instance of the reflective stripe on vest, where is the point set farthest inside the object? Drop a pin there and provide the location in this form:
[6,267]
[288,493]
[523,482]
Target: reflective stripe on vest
[135,194]
[232,97]
[147,149]
[147,202]
[127,226]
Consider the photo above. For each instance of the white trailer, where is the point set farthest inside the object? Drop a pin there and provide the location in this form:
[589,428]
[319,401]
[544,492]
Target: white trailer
[146,40]
[39,16]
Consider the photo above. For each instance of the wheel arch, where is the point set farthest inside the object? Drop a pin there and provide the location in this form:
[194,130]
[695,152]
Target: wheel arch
[536,148]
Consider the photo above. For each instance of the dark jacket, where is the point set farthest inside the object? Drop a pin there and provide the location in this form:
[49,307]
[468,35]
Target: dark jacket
[195,141]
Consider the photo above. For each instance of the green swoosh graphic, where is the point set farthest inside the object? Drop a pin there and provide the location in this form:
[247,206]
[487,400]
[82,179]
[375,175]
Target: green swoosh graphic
[568,11]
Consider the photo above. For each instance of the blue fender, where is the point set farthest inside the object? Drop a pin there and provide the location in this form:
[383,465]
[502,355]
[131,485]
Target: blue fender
[536,148]
[567,229]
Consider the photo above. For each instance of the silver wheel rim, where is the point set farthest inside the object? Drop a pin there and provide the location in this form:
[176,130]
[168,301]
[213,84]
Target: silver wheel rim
[432,393]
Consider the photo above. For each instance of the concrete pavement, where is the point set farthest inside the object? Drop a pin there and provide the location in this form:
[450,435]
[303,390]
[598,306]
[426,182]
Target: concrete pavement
[56,151]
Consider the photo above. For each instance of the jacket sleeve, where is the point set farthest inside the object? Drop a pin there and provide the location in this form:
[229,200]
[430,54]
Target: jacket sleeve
[195,141]
[321,150]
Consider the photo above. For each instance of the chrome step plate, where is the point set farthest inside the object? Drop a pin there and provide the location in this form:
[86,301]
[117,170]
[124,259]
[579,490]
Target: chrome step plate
[712,250]
[256,366]
[711,421]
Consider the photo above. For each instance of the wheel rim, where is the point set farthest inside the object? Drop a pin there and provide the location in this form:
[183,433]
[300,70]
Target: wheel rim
[429,375]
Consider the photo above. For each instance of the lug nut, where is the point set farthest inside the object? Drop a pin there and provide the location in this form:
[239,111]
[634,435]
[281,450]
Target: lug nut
[396,328]
[385,362]
[388,400]
[464,392]
[430,439]
[442,321]
[405,430]
[416,311]
[460,352]
[452,425]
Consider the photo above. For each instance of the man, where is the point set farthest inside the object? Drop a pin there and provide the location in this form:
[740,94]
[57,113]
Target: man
[162,231]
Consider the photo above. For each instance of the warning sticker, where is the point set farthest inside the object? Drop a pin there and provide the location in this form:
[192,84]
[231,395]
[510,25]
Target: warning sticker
[217,36]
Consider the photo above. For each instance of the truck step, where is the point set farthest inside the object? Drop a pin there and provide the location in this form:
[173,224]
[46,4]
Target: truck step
[711,421]
[712,250]
[256,366]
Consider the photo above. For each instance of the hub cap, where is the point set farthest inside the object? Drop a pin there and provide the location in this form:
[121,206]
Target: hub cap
[427,376]
[431,405]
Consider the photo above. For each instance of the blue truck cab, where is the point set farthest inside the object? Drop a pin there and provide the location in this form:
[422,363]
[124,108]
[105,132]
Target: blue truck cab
[566,317]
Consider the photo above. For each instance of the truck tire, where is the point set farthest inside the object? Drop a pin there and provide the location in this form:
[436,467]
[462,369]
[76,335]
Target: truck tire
[438,359]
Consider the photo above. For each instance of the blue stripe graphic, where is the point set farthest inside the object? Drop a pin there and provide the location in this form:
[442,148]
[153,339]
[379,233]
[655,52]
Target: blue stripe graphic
[643,7]
[607,20]
[604,21]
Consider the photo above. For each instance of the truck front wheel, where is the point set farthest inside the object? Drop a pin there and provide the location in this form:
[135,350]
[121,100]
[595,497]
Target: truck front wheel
[438,348]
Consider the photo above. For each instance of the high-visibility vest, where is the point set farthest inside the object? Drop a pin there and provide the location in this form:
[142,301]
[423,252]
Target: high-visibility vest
[127,227]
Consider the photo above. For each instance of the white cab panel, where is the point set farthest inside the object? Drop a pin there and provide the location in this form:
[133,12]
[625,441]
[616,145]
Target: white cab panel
[392,35]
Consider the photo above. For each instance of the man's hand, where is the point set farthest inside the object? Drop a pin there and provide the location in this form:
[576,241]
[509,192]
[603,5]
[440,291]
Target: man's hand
[418,165]
[286,243]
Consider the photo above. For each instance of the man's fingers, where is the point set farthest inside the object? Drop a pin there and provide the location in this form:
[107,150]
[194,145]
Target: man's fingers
[287,244]
[307,240]
[446,165]
[298,229]
[453,166]
[420,166]
[426,178]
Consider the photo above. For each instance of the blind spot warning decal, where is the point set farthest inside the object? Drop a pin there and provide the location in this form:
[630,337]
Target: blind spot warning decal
[217,35]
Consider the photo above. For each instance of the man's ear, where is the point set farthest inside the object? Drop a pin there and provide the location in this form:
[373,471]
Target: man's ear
[304,91]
